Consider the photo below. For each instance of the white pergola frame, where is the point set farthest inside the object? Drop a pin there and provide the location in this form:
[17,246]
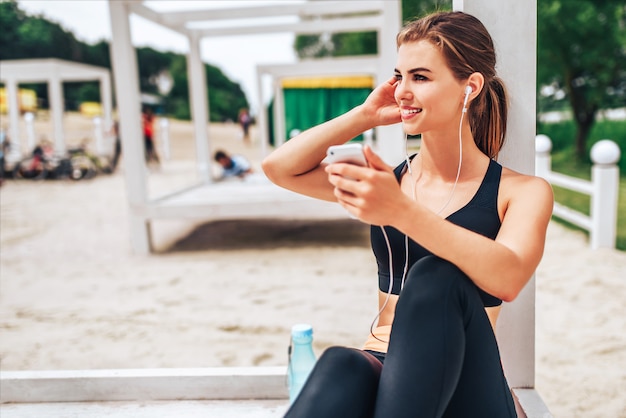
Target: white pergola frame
[203,200]
[508,22]
[53,72]
[306,68]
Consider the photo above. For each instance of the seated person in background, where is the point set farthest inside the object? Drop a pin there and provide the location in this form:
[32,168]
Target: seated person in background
[236,165]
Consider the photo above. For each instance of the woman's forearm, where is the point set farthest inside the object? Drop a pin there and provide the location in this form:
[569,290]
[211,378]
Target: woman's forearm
[304,152]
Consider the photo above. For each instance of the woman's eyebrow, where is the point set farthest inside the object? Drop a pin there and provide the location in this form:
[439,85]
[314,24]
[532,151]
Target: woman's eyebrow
[414,70]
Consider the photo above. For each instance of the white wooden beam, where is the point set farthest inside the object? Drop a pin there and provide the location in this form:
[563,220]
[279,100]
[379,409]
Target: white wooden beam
[367,64]
[280,131]
[106,99]
[57,108]
[124,62]
[299,28]
[14,117]
[159,18]
[198,92]
[316,8]
[262,117]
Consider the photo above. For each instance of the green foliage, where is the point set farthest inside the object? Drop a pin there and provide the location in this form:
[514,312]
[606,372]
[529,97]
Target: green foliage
[23,37]
[582,50]
[11,17]
[359,43]
[562,133]
[413,9]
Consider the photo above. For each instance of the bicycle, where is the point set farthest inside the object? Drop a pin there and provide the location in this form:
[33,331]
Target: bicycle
[77,164]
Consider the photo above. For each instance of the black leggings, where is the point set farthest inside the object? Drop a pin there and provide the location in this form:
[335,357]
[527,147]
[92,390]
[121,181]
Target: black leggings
[443,359]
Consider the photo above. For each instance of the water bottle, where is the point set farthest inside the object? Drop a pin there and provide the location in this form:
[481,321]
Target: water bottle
[301,358]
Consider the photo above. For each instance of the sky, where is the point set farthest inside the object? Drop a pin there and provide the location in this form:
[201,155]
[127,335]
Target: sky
[236,56]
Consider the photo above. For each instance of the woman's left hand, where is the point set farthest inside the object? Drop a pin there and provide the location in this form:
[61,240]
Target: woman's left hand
[371,194]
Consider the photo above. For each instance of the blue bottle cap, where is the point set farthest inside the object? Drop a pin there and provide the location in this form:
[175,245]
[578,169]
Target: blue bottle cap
[301,331]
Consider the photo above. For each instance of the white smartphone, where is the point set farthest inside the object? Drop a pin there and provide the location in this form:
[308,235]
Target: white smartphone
[347,153]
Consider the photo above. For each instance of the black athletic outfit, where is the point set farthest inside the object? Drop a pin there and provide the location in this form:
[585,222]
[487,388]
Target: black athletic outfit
[443,358]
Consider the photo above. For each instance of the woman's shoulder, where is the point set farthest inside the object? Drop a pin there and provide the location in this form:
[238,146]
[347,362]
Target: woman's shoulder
[519,185]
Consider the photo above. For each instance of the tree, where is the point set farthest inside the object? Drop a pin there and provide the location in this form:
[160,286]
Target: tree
[23,36]
[582,49]
[359,43]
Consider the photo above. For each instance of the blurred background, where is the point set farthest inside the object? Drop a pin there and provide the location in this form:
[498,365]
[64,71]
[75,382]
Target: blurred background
[581,69]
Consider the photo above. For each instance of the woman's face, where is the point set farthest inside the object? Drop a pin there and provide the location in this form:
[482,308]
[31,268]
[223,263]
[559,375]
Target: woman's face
[429,96]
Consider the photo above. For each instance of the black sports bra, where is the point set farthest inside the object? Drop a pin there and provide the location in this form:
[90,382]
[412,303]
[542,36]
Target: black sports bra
[479,215]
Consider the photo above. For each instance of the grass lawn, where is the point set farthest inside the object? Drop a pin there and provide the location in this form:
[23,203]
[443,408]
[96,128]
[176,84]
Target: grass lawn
[564,161]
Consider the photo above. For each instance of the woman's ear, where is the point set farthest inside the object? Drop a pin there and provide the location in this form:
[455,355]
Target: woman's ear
[476,81]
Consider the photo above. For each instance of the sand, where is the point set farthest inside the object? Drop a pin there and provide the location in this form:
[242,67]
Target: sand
[73,296]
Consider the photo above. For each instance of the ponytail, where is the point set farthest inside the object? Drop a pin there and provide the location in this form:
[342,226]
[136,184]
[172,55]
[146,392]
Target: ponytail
[488,117]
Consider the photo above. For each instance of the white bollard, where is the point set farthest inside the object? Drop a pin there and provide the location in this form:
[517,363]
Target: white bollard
[605,178]
[165,137]
[98,135]
[29,118]
[543,160]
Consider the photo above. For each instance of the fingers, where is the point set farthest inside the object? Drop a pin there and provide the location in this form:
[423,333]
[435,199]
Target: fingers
[374,159]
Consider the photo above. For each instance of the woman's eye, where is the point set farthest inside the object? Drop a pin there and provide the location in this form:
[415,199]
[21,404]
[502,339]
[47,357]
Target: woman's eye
[419,77]
[398,77]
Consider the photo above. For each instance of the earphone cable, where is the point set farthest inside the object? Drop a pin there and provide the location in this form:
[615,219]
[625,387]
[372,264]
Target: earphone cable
[406,238]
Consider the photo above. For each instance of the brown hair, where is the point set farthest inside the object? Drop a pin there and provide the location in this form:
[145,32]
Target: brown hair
[467,48]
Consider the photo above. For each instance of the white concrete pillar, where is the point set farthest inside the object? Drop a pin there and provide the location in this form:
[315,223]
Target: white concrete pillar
[29,119]
[13,103]
[57,109]
[389,139]
[164,131]
[124,61]
[98,132]
[543,159]
[199,106]
[280,130]
[508,22]
[261,117]
[107,101]
[605,179]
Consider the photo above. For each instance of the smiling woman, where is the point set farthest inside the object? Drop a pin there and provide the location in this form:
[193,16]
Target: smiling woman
[432,350]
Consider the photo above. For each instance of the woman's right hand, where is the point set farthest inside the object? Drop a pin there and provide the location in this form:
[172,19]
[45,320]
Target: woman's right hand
[381,106]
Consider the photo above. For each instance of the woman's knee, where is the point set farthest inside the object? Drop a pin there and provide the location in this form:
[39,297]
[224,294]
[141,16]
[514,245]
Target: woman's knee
[343,383]
[356,363]
[433,279]
[432,272]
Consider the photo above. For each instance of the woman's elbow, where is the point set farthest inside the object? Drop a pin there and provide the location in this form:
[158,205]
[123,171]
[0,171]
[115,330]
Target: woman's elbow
[512,291]
[509,296]
[270,167]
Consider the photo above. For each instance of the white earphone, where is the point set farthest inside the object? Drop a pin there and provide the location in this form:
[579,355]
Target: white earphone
[468,91]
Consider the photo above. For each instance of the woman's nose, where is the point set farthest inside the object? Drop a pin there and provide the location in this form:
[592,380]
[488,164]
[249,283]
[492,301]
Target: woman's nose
[402,92]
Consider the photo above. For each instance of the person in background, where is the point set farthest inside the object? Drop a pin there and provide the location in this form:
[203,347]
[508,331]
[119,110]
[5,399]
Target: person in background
[147,118]
[233,166]
[245,120]
[4,150]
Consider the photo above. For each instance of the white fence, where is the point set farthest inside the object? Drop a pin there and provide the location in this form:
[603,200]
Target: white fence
[603,189]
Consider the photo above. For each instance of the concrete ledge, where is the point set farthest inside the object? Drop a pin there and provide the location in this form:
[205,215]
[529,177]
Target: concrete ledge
[530,405]
[204,384]
[143,384]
